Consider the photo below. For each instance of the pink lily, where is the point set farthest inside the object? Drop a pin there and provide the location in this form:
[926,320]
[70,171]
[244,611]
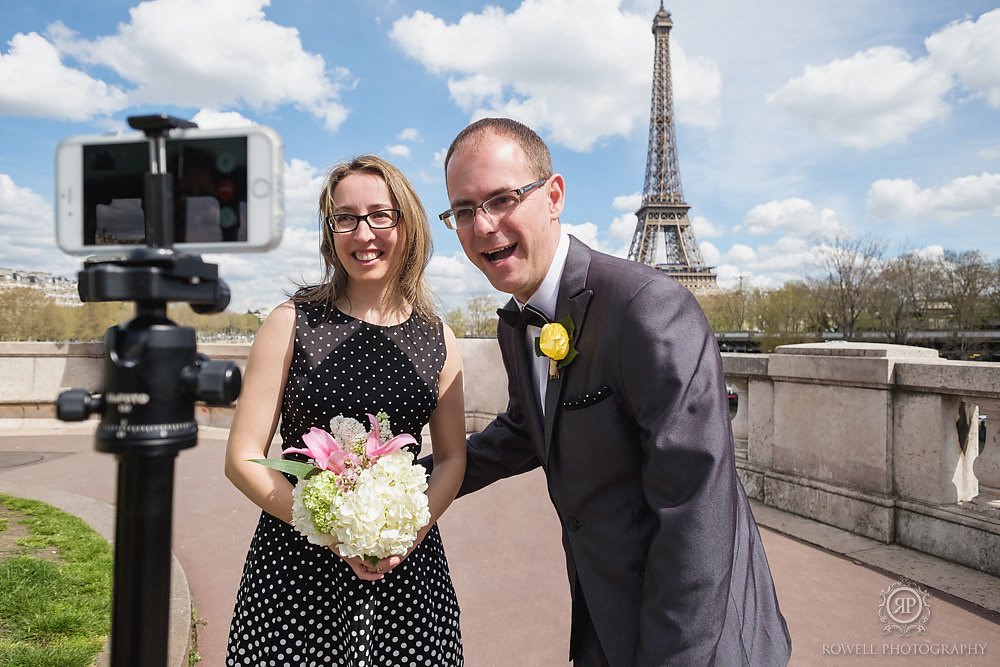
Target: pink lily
[322,448]
[376,448]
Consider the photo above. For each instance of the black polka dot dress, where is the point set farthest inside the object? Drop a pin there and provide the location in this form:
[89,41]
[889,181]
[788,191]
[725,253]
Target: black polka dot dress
[300,604]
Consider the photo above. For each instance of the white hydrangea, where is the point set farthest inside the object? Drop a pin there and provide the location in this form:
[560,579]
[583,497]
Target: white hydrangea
[384,512]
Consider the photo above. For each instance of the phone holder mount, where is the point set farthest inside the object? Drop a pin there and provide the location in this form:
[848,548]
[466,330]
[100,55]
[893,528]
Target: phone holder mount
[152,377]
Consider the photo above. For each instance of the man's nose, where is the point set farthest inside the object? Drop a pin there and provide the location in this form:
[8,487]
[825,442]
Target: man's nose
[484,223]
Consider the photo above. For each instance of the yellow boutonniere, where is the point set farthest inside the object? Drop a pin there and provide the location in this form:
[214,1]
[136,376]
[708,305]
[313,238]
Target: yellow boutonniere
[556,343]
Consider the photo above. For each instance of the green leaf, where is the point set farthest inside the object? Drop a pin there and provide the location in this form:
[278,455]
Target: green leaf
[568,358]
[298,468]
[568,325]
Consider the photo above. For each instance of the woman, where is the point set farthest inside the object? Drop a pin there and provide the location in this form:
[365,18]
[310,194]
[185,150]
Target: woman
[365,339]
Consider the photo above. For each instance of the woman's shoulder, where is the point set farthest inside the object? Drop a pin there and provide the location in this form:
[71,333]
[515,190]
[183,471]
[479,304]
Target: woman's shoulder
[283,312]
[281,317]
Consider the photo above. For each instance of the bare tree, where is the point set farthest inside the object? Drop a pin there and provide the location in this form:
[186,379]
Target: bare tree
[851,267]
[901,296]
[993,295]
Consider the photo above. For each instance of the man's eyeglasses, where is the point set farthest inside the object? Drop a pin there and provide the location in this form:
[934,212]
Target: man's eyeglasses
[342,223]
[495,207]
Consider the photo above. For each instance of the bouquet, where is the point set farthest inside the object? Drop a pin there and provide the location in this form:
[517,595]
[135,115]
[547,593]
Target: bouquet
[361,491]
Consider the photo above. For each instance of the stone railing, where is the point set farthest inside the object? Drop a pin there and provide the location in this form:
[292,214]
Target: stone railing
[33,374]
[880,440]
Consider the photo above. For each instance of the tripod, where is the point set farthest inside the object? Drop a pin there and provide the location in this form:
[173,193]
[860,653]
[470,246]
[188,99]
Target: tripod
[152,377]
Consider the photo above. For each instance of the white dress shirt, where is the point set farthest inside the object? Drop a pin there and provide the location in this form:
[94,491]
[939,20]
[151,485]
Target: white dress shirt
[544,299]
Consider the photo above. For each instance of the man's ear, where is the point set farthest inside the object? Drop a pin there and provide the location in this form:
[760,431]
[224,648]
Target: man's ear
[557,195]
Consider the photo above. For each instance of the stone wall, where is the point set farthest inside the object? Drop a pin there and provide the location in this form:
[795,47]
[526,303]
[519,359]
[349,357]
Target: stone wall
[880,440]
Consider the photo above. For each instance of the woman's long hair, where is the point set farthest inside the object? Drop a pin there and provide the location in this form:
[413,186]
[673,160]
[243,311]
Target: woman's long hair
[414,244]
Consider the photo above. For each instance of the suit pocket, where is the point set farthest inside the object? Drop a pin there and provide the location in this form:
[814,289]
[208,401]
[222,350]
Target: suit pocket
[590,398]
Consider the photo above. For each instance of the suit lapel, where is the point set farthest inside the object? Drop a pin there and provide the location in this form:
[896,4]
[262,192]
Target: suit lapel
[573,300]
[524,379]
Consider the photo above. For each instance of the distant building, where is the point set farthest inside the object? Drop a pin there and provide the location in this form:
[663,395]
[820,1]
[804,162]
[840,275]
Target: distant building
[59,288]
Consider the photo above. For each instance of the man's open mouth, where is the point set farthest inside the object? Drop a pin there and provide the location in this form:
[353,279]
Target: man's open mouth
[502,253]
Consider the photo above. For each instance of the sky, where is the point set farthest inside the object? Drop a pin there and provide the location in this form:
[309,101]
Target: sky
[797,122]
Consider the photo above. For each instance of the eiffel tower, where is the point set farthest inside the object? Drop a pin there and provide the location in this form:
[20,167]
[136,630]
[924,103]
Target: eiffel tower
[663,209]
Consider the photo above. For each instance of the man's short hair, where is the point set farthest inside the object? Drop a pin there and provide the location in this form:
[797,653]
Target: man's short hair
[539,158]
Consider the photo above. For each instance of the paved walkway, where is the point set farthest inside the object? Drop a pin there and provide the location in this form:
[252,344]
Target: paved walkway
[507,564]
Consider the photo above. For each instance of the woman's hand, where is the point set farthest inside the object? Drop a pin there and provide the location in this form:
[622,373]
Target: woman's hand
[387,564]
[366,571]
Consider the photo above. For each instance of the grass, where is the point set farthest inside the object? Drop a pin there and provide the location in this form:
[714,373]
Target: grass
[55,587]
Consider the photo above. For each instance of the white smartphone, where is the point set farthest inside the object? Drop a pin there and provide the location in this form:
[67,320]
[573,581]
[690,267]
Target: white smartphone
[227,191]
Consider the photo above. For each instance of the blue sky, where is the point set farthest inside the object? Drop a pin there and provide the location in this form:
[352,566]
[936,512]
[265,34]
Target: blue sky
[797,121]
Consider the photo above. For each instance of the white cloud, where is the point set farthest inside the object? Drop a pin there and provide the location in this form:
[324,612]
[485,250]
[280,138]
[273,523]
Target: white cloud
[409,134]
[622,229]
[740,253]
[902,199]
[295,261]
[586,232]
[207,119]
[704,229]
[630,203]
[795,216]
[398,150]
[174,51]
[767,266]
[303,183]
[934,251]
[577,101]
[971,49]
[989,153]
[27,232]
[709,253]
[438,159]
[876,97]
[727,276]
[698,83]
[32,70]
[454,280]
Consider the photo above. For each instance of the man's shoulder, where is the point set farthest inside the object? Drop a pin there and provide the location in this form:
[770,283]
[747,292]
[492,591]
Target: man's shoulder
[630,276]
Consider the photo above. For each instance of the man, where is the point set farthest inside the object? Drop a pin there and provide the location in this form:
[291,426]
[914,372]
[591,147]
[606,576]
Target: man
[665,561]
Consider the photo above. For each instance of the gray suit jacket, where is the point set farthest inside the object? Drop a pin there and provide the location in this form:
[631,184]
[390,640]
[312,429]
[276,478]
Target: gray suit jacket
[638,454]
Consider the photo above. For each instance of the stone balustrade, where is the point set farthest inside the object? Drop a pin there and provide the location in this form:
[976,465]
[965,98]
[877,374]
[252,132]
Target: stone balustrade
[881,440]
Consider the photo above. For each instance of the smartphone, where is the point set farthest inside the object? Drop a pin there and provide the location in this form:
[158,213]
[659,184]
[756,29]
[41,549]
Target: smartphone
[227,191]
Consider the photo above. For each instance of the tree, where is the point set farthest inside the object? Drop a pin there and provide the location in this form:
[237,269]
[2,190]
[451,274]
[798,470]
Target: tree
[792,308]
[966,278]
[481,316]
[852,267]
[902,294]
[456,320]
[21,308]
[721,309]
[993,295]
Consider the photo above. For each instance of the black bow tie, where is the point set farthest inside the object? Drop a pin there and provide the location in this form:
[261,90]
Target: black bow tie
[519,319]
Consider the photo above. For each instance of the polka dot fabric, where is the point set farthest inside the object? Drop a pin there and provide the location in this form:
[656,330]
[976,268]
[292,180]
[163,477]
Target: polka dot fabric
[298,603]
